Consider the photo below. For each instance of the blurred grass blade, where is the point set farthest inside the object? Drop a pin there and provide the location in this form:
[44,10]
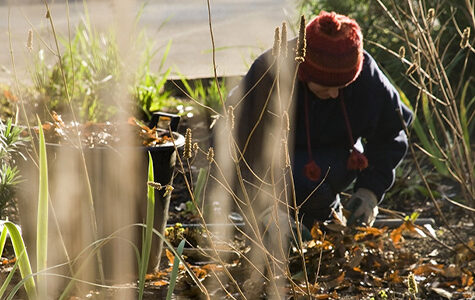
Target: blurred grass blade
[23,260]
[174,273]
[200,184]
[42,221]
[147,243]
[165,55]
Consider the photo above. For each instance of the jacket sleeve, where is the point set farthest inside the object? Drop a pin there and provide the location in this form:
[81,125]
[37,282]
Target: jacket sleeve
[387,143]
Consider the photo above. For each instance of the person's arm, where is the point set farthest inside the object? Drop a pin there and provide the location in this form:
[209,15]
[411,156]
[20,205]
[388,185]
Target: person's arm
[385,147]
[387,144]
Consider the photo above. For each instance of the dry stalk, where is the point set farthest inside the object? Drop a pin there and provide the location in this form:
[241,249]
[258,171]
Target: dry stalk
[81,150]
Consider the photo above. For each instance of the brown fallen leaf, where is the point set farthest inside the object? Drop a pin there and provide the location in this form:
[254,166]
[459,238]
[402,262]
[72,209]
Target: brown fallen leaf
[427,269]
[337,281]
[170,256]
[316,232]
[159,283]
[394,277]
[369,232]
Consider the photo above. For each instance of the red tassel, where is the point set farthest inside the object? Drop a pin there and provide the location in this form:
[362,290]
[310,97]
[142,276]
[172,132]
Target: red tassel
[357,161]
[312,171]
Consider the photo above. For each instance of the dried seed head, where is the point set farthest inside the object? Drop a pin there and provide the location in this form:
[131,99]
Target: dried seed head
[276,47]
[402,52]
[465,36]
[187,149]
[283,40]
[285,160]
[430,15]
[195,148]
[168,190]
[286,121]
[29,43]
[155,185]
[412,284]
[411,69]
[210,156]
[231,117]
[302,42]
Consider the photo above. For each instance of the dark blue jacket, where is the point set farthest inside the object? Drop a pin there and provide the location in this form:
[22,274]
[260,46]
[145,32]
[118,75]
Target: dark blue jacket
[374,111]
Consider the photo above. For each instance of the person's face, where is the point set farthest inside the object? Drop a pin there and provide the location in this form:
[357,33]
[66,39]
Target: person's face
[323,92]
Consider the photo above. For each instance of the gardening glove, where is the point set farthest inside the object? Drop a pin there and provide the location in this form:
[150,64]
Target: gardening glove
[363,208]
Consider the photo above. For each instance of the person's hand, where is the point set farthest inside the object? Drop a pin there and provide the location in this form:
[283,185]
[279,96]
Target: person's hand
[363,207]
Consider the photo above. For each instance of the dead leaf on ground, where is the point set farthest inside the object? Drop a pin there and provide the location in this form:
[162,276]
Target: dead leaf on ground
[427,269]
[160,283]
[170,256]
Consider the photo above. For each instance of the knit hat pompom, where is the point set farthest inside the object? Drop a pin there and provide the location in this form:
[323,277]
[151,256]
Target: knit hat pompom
[312,171]
[329,23]
[334,54]
[357,161]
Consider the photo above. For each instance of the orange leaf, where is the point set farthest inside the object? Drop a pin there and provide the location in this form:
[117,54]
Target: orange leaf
[154,276]
[212,267]
[372,230]
[340,278]
[8,261]
[394,277]
[396,234]
[160,283]
[428,269]
[316,233]
[200,272]
[467,280]
[170,256]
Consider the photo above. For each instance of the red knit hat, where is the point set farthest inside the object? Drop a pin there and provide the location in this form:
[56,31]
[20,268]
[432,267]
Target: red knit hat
[334,55]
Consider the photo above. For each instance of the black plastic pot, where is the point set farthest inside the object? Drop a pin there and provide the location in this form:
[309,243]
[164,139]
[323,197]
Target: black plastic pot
[164,161]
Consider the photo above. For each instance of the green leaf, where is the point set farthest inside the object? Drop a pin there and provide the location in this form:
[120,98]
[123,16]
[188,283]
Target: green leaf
[147,243]
[174,273]
[42,221]
[23,260]
[165,55]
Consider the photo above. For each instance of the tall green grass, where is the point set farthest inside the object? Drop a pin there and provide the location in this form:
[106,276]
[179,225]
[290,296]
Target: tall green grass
[42,220]
[147,243]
